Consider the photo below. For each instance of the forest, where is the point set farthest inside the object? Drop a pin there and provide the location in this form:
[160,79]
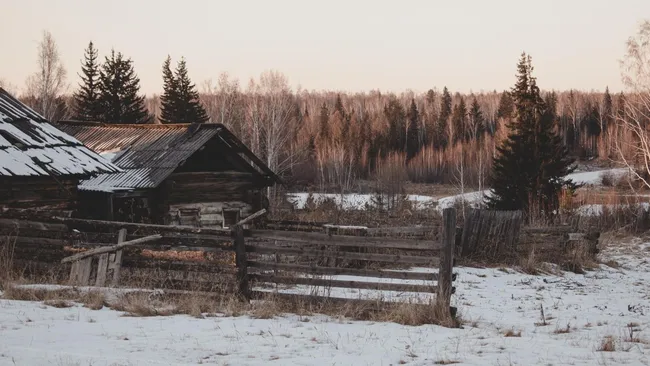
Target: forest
[328,140]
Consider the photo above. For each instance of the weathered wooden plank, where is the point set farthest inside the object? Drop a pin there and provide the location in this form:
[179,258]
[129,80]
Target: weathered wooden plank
[84,269]
[116,263]
[240,260]
[345,240]
[343,271]
[113,248]
[371,257]
[183,266]
[102,267]
[547,230]
[322,282]
[406,230]
[136,226]
[251,217]
[20,240]
[445,276]
[36,225]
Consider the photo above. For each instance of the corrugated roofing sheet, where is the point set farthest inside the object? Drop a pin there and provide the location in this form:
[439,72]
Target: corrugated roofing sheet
[31,146]
[147,153]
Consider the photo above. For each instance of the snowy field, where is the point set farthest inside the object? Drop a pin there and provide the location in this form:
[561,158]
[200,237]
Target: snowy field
[356,201]
[581,311]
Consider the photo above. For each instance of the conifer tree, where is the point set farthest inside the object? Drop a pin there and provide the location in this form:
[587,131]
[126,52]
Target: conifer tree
[87,103]
[412,133]
[169,97]
[459,120]
[188,106]
[443,119]
[119,86]
[476,121]
[395,114]
[608,111]
[530,169]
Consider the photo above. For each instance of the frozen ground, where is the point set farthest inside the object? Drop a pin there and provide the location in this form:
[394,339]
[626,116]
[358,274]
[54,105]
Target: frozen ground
[594,306]
[357,201]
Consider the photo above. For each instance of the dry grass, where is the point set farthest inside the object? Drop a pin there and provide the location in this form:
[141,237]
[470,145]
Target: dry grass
[512,333]
[446,362]
[93,300]
[7,246]
[608,344]
[61,304]
[564,330]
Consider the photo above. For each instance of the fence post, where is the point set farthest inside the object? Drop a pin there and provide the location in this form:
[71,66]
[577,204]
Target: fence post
[240,260]
[447,259]
[116,263]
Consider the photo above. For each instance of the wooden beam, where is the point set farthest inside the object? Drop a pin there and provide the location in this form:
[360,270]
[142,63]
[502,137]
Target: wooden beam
[323,282]
[251,217]
[345,240]
[386,258]
[24,224]
[113,248]
[135,226]
[400,275]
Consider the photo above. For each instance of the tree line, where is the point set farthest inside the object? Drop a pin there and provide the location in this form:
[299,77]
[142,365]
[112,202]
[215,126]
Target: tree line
[327,138]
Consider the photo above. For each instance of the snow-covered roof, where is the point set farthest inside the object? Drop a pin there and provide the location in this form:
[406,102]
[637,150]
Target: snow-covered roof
[31,146]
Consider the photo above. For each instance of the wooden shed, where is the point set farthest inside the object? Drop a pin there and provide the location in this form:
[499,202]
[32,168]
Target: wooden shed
[40,166]
[174,174]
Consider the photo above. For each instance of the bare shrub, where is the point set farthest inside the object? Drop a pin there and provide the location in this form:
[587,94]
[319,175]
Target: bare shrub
[608,179]
[390,180]
[7,271]
[608,344]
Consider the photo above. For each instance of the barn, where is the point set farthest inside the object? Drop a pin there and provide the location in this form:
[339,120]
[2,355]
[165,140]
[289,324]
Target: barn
[40,166]
[173,174]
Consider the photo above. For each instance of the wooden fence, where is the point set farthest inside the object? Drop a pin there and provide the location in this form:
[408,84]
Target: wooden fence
[190,258]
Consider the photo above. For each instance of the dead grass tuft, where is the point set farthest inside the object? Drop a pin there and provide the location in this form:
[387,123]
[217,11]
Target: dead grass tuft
[93,300]
[446,362]
[512,333]
[564,330]
[142,305]
[608,344]
[61,304]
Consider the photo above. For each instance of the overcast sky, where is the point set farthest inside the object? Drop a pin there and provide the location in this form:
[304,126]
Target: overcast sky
[348,45]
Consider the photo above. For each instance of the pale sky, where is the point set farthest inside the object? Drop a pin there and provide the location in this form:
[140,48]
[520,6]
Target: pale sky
[353,45]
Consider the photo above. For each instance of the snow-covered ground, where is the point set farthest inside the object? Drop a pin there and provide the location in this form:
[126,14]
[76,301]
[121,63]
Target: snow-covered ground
[356,201]
[594,306]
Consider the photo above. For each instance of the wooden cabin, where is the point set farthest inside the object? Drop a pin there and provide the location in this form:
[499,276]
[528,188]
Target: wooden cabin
[40,166]
[174,174]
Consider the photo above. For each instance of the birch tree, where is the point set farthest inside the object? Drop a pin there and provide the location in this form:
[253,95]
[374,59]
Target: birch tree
[634,147]
[46,84]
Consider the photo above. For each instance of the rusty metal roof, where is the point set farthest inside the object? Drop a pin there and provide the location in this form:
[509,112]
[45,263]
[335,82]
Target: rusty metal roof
[149,153]
[31,146]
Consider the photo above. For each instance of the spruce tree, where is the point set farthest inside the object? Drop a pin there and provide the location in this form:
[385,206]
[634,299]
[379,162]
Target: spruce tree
[608,111]
[443,119]
[119,86]
[169,97]
[87,103]
[188,105]
[412,133]
[395,114]
[476,121]
[506,106]
[529,171]
[459,120]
